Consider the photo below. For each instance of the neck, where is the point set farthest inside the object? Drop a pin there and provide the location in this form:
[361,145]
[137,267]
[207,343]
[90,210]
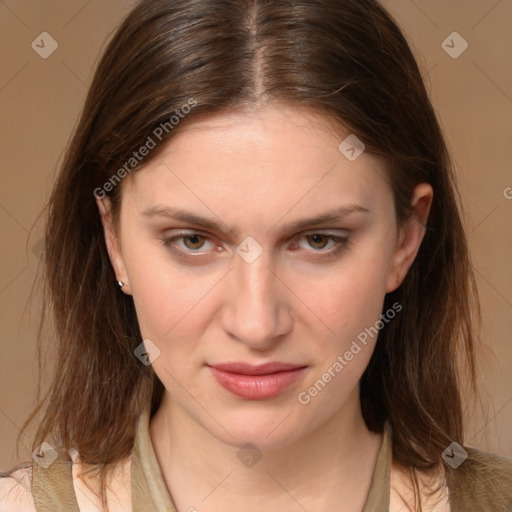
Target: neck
[332,465]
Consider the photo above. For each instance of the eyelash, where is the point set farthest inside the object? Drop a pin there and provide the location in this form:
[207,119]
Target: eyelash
[341,243]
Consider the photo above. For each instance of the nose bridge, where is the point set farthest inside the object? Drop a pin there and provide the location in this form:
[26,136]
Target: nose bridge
[257,313]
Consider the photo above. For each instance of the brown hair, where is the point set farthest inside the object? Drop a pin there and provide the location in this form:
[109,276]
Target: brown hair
[345,58]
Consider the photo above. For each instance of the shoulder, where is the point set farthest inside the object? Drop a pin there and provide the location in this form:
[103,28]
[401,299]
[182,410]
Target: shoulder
[16,491]
[487,461]
[482,482]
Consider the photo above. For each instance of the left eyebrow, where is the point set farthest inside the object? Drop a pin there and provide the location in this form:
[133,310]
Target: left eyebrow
[329,216]
[189,217]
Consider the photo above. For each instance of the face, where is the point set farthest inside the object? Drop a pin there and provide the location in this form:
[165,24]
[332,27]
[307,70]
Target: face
[224,249]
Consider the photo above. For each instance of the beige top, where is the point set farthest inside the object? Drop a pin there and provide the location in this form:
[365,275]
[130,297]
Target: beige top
[483,483]
[53,486]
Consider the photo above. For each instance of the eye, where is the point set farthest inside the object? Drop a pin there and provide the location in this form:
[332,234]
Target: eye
[191,242]
[323,243]
[318,241]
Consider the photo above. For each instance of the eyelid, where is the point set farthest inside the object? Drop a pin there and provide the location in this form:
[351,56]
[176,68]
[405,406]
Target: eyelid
[324,231]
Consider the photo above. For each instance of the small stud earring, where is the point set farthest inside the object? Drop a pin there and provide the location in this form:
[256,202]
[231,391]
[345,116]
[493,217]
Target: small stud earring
[120,283]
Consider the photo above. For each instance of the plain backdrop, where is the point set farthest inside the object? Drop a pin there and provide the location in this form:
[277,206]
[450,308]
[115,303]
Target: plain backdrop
[40,99]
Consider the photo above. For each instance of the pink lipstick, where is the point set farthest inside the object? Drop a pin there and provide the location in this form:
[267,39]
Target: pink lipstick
[256,382]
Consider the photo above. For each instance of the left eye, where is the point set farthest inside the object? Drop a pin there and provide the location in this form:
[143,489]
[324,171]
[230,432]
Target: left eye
[318,240]
[192,241]
[323,244]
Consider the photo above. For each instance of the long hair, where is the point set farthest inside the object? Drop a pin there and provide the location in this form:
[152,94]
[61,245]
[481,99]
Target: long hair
[347,59]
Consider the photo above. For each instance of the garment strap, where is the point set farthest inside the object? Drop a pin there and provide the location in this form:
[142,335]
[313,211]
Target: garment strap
[141,495]
[149,492]
[52,487]
[379,495]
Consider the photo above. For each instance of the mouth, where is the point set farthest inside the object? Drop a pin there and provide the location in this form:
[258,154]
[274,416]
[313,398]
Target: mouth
[256,382]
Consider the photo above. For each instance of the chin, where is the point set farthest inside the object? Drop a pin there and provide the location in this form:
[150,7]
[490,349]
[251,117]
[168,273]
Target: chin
[267,429]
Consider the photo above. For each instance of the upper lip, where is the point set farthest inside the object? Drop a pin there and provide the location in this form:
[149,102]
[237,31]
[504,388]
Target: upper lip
[262,369]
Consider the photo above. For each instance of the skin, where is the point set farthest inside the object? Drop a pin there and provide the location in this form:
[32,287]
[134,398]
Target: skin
[255,173]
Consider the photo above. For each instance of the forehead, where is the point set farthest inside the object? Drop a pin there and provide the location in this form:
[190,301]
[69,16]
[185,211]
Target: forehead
[268,131]
[269,158]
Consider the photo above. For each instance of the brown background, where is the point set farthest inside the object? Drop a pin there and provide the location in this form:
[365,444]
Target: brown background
[40,100]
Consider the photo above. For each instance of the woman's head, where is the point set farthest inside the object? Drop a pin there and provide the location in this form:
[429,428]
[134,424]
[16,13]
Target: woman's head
[259,285]
[255,114]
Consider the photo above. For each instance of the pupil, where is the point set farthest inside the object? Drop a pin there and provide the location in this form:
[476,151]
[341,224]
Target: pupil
[318,239]
[194,239]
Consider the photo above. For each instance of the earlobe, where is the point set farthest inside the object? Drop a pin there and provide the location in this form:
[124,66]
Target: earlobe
[410,237]
[112,244]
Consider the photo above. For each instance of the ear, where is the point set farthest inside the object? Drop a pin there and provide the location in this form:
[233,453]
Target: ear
[112,242]
[411,236]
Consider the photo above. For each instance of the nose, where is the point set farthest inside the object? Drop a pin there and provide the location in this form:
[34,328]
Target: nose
[256,312]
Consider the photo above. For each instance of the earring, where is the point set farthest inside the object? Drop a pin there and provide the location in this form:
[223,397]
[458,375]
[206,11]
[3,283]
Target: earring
[120,283]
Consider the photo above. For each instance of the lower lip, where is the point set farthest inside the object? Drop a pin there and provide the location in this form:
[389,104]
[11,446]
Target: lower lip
[256,387]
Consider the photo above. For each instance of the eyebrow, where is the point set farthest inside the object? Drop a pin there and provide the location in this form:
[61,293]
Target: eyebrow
[209,223]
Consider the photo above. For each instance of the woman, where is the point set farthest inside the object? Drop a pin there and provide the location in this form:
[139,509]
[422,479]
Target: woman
[218,355]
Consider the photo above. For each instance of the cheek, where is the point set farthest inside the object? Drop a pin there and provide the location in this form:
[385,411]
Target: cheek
[352,310]
[167,302]
[171,314]
[350,298]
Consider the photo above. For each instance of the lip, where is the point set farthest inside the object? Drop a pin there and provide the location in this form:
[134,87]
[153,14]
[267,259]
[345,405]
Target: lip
[256,382]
